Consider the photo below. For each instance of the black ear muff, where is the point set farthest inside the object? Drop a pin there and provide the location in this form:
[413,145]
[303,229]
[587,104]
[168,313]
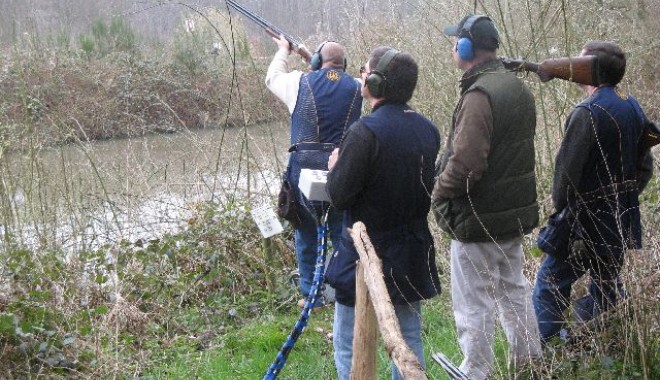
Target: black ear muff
[465,46]
[376,82]
[317,59]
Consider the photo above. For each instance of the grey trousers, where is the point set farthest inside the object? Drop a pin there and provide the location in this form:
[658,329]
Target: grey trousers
[486,277]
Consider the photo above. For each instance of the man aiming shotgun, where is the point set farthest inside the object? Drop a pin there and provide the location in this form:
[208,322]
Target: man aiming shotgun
[323,102]
[602,166]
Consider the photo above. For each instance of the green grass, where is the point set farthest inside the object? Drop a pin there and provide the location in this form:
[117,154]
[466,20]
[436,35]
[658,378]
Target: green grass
[247,352]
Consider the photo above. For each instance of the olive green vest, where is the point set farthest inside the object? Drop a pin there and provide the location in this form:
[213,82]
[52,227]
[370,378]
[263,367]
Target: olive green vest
[502,204]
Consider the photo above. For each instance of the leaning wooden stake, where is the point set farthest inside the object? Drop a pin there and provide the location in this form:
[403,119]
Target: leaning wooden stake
[395,345]
[365,332]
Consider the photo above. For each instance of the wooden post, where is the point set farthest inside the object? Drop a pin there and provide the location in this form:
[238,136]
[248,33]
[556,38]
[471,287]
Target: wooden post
[395,345]
[365,331]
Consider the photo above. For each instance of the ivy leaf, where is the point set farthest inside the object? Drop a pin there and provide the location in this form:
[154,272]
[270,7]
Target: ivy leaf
[7,323]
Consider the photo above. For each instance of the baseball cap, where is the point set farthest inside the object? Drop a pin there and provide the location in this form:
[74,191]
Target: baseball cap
[483,33]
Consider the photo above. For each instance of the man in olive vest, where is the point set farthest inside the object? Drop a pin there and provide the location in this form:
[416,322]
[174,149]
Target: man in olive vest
[485,198]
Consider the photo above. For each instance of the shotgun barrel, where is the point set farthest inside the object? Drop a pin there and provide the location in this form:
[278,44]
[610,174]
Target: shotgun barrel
[271,29]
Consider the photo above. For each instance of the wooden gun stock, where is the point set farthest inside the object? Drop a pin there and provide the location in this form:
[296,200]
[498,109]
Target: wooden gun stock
[296,46]
[583,70]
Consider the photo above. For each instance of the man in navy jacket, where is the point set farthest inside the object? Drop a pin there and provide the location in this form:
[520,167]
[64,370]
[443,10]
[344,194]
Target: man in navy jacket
[382,175]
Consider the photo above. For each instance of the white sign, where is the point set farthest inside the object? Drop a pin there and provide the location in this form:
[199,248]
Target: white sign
[266,220]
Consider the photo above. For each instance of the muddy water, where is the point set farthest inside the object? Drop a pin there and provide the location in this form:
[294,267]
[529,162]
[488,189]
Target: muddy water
[82,195]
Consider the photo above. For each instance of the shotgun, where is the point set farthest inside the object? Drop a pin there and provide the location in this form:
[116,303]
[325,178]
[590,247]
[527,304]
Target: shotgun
[272,30]
[583,70]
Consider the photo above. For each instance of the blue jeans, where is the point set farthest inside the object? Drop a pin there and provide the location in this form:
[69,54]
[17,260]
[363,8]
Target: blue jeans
[410,320]
[555,278]
[306,241]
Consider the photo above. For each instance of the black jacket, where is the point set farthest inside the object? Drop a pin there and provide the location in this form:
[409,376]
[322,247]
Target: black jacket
[383,178]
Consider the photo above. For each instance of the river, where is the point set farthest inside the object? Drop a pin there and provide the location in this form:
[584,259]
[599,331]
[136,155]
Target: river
[83,195]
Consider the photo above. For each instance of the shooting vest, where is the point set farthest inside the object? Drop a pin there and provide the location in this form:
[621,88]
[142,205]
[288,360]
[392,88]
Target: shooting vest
[329,101]
[608,194]
[502,204]
[394,206]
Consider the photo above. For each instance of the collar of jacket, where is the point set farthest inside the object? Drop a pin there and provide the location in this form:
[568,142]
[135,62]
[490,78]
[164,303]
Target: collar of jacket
[470,76]
[385,102]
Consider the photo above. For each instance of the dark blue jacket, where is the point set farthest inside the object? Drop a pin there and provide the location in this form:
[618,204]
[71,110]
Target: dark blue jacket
[384,178]
[329,101]
[597,170]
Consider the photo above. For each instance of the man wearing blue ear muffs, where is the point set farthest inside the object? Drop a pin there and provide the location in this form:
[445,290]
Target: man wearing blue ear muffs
[323,103]
[484,198]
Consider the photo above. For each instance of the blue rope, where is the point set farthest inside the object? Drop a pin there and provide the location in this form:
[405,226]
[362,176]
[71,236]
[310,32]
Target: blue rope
[317,288]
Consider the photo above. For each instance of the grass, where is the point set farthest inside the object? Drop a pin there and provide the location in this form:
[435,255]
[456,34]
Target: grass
[247,353]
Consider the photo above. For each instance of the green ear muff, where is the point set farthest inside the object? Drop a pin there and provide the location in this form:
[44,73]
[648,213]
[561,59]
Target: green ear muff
[376,82]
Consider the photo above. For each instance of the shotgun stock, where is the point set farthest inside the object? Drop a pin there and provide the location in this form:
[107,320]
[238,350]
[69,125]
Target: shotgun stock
[272,30]
[583,70]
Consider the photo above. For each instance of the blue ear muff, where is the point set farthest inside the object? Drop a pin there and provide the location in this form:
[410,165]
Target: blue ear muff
[465,46]
[464,49]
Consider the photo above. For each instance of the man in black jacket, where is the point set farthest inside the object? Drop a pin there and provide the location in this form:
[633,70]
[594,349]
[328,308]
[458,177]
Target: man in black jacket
[382,175]
[600,170]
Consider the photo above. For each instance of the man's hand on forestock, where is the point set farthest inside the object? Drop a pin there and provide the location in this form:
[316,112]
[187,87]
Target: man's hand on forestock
[282,43]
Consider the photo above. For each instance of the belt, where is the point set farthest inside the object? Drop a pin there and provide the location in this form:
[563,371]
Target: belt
[326,147]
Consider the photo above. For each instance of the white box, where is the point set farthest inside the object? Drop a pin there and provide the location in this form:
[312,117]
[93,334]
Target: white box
[312,184]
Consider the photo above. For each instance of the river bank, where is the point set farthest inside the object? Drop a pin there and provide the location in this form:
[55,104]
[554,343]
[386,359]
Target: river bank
[84,195]
[121,96]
